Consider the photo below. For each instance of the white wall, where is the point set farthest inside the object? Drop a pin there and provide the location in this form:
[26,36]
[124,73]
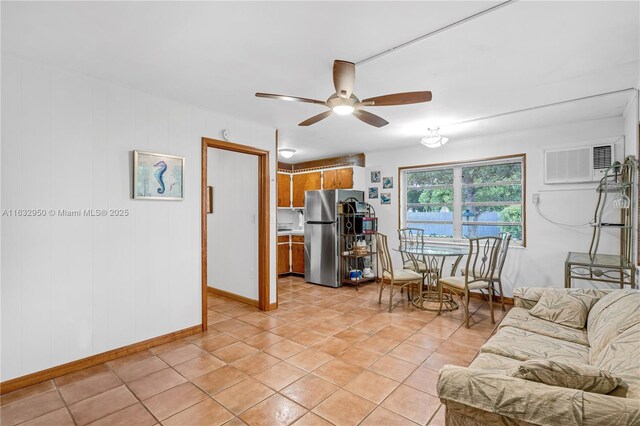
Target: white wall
[631,122]
[74,287]
[232,244]
[541,263]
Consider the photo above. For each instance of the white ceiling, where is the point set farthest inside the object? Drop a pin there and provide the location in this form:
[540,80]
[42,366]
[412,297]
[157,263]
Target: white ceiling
[218,54]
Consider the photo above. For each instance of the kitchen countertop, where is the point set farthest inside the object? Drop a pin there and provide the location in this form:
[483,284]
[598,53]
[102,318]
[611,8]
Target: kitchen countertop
[292,232]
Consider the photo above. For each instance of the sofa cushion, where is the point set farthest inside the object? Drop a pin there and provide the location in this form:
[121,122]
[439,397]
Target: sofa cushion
[622,358]
[527,297]
[522,319]
[498,363]
[570,309]
[523,345]
[565,375]
[610,316]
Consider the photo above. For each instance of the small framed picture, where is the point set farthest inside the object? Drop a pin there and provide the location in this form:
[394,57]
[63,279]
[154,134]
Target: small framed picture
[385,198]
[373,192]
[375,177]
[387,182]
[157,176]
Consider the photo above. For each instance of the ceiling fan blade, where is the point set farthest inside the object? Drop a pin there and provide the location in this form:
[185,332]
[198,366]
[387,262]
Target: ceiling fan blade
[344,77]
[315,118]
[398,99]
[289,98]
[369,118]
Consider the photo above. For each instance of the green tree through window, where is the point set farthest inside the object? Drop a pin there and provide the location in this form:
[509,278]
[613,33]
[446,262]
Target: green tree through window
[490,194]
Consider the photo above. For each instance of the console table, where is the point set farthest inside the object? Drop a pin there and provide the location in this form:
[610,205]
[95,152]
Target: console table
[607,268]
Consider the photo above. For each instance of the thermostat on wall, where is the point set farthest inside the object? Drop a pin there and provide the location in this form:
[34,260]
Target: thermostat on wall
[225,134]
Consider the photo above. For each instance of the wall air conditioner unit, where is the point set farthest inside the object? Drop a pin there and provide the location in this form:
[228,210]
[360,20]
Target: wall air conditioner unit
[576,165]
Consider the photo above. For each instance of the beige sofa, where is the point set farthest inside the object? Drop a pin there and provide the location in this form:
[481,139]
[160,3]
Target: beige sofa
[485,393]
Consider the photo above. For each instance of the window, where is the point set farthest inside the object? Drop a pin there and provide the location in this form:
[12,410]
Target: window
[454,202]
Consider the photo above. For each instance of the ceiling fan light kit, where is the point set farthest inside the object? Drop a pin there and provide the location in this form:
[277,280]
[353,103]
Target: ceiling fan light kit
[344,102]
[286,152]
[343,109]
[433,139]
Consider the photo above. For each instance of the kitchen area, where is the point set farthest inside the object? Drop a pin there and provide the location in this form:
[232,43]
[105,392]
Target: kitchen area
[302,249]
[290,241]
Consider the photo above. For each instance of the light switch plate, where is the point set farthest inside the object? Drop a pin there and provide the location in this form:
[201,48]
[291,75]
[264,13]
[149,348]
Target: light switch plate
[535,198]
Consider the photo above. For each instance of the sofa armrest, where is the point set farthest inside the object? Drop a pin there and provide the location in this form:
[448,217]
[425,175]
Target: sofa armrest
[530,402]
[527,297]
[610,410]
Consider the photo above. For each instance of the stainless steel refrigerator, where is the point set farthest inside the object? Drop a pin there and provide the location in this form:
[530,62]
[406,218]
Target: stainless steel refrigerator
[321,257]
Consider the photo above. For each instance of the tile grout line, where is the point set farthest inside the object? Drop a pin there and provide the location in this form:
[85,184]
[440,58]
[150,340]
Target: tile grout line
[126,385]
[64,401]
[99,418]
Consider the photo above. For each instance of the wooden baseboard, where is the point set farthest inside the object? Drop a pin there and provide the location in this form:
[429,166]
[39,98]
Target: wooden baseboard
[80,364]
[232,296]
[507,300]
[291,274]
[239,298]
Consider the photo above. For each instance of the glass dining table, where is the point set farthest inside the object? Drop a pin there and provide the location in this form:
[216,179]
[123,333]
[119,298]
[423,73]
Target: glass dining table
[433,257]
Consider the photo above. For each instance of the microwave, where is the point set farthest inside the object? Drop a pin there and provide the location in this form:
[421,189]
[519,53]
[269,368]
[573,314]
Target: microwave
[357,207]
[360,225]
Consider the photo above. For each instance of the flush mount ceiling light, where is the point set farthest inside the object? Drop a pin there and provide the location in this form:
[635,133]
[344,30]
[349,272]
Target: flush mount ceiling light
[287,152]
[433,139]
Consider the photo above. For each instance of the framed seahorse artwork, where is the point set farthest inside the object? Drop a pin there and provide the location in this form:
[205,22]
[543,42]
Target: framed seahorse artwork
[157,176]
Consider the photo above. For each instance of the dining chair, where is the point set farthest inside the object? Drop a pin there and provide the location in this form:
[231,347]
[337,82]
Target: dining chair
[412,237]
[505,239]
[402,278]
[478,273]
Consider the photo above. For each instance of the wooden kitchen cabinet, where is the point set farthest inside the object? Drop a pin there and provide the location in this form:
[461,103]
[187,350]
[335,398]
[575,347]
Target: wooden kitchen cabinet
[304,182]
[284,190]
[294,264]
[297,258]
[283,258]
[344,178]
[329,179]
[338,179]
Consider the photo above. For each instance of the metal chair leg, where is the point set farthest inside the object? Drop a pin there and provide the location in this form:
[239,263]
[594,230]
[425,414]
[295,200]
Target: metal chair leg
[501,295]
[466,307]
[440,298]
[493,321]
[391,297]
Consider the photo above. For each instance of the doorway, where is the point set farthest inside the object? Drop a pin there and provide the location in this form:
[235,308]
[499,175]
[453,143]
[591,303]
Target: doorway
[245,249]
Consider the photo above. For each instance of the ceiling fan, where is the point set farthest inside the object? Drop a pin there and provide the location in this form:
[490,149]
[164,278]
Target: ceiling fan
[344,102]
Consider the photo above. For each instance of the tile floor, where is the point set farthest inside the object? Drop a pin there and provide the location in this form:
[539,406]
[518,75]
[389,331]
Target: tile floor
[326,356]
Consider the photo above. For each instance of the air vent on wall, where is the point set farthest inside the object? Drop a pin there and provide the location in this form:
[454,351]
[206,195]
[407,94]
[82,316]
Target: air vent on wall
[602,157]
[575,165]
